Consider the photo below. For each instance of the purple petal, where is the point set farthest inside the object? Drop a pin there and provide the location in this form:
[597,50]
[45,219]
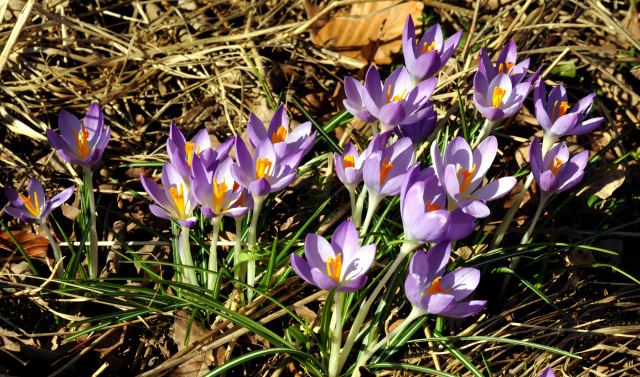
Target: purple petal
[302,268]
[466,309]
[345,241]
[318,250]
[475,208]
[462,282]
[547,373]
[495,189]
[62,197]
[354,285]
[321,280]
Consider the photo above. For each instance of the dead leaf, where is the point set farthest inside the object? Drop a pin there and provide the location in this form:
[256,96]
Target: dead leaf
[196,366]
[605,184]
[34,245]
[367,24]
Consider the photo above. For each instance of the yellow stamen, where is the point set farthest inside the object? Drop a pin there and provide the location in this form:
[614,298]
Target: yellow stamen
[384,170]
[263,168]
[467,176]
[218,194]
[32,207]
[431,207]
[498,95]
[555,166]
[279,135]
[188,147]
[349,162]
[81,142]
[178,197]
[397,97]
[426,48]
[334,267]
[435,287]
[509,65]
[564,106]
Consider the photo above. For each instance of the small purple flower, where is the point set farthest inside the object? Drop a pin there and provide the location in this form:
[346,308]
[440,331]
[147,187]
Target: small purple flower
[420,131]
[181,152]
[462,172]
[81,143]
[349,166]
[341,263]
[498,99]
[285,141]
[217,191]
[397,101]
[431,291]
[556,173]
[553,116]
[264,173]
[426,57]
[175,200]
[547,373]
[383,170]
[506,64]
[354,102]
[34,207]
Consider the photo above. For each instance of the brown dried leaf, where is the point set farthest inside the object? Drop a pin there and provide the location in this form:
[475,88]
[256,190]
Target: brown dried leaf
[369,24]
[34,245]
[606,183]
[196,366]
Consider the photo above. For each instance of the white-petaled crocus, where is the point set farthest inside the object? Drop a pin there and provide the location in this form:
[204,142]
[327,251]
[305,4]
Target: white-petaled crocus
[264,173]
[175,201]
[556,172]
[507,64]
[34,207]
[341,263]
[424,58]
[432,291]
[557,118]
[498,99]
[217,191]
[181,152]
[81,143]
[354,102]
[285,141]
[349,166]
[462,173]
[396,101]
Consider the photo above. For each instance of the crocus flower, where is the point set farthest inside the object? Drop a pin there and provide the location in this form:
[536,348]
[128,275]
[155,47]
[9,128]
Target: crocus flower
[506,64]
[34,207]
[174,200]
[341,263]
[349,166]
[396,101]
[557,118]
[81,143]
[264,173]
[547,373]
[217,191]
[181,152]
[499,98]
[426,57]
[462,172]
[284,140]
[420,131]
[383,170]
[354,102]
[430,290]
[556,172]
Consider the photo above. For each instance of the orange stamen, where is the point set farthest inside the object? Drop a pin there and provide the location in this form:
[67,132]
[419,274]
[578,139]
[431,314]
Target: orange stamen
[218,193]
[564,106]
[334,267]
[349,162]
[263,168]
[431,207]
[498,95]
[240,200]
[81,142]
[178,197]
[426,48]
[467,176]
[435,287]
[397,97]
[384,170]
[188,147]
[508,65]
[279,135]
[555,166]
[32,207]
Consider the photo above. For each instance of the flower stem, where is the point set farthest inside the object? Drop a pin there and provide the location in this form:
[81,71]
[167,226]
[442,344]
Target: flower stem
[406,248]
[93,232]
[336,337]
[508,218]
[374,200]
[487,129]
[189,274]
[56,249]
[213,253]
[352,196]
[362,360]
[357,219]
[236,249]
[251,240]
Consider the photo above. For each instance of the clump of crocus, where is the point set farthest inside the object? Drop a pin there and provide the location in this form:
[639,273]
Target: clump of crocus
[424,58]
[83,143]
[354,103]
[556,172]
[462,172]
[181,152]
[284,140]
[557,118]
[34,208]
[507,63]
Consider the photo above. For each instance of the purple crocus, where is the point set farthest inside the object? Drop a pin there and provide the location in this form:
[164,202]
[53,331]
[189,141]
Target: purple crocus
[383,170]
[430,290]
[217,191]
[34,207]
[396,101]
[507,64]
[547,373]
[174,200]
[354,102]
[462,172]
[341,263]
[81,143]
[556,172]
[557,118]
[420,131]
[426,57]
[284,140]
[264,173]
[498,98]
[181,152]
[349,166]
